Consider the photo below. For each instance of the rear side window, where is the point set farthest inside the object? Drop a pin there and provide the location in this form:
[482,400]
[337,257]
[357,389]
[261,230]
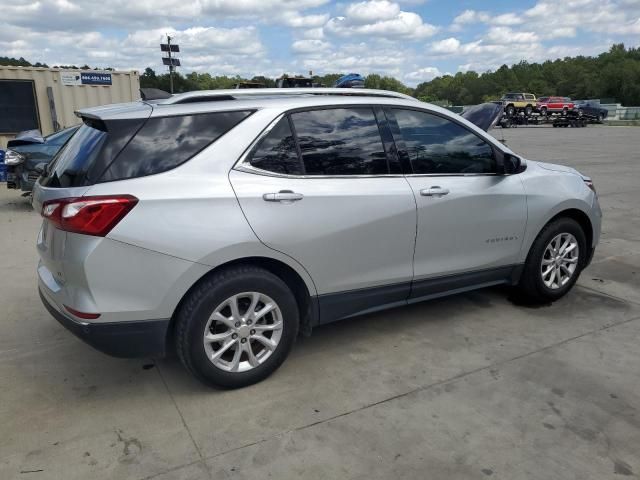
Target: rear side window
[277,151]
[436,145]
[120,149]
[164,143]
[340,141]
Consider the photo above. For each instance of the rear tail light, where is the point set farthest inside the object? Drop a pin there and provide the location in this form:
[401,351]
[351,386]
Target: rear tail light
[95,215]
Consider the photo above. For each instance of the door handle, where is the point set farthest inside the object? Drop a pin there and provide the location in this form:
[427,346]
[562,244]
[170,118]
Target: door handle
[434,191]
[282,196]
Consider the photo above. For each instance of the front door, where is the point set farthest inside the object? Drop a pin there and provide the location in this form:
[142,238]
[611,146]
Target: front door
[470,219]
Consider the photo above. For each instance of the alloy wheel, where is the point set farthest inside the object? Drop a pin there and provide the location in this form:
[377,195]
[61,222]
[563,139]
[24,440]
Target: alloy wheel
[243,332]
[560,261]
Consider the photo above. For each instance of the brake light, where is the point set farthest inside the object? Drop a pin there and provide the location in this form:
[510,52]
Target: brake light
[95,215]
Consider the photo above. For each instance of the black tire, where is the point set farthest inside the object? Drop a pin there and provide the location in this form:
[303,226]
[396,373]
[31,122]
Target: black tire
[511,110]
[528,110]
[531,288]
[200,303]
[543,111]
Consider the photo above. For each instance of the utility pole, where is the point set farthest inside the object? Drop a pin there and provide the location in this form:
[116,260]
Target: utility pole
[170,66]
[172,62]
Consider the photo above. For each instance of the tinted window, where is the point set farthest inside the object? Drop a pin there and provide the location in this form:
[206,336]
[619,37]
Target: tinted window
[277,151]
[103,151]
[70,166]
[164,143]
[438,145]
[340,141]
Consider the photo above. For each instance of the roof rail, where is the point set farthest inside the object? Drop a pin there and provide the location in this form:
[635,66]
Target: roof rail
[218,95]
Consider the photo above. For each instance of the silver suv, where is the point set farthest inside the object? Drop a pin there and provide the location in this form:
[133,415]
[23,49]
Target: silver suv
[225,222]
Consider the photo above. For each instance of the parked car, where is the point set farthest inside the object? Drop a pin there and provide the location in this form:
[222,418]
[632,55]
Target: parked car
[352,80]
[222,228]
[516,102]
[592,108]
[29,152]
[546,105]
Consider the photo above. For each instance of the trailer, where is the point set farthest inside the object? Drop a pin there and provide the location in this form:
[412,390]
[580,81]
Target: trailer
[572,118]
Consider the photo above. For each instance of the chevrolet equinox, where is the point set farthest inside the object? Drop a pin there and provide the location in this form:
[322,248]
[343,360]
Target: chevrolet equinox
[223,223]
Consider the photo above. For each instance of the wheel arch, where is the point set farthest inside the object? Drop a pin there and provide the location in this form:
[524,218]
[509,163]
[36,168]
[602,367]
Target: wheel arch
[307,306]
[581,218]
[575,214]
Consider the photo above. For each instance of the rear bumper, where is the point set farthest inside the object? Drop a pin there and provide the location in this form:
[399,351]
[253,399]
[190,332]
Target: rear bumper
[142,338]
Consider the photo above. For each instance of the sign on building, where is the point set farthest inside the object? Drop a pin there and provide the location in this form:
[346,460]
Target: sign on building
[85,78]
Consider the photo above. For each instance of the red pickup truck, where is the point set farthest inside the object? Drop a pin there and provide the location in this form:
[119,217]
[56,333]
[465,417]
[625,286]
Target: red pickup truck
[554,105]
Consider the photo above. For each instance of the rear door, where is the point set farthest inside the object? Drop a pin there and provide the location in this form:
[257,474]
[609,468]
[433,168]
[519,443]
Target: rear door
[320,187]
[470,219]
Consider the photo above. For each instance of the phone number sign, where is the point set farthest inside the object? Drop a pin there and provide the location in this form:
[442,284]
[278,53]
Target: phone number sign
[85,78]
[95,78]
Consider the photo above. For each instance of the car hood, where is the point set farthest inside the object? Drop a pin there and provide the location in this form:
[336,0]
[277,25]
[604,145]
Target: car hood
[483,116]
[559,168]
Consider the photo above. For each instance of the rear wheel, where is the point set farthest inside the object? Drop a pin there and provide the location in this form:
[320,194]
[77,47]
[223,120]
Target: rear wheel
[236,327]
[528,110]
[511,110]
[554,262]
[543,111]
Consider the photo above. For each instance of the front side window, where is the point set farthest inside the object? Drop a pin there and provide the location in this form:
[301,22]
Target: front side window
[436,145]
[277,151]
[340,141]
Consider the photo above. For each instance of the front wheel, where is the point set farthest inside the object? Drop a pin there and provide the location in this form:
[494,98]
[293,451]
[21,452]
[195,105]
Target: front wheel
[236,327]
[554,262]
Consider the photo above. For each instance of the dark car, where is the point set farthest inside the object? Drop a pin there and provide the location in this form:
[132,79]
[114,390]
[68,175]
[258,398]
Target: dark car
[29,152]
[352,80]
[592,108]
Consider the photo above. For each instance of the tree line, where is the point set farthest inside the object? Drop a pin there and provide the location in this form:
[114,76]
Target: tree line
[614,74]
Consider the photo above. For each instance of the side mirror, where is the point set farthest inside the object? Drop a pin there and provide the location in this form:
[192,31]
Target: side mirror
[511,164]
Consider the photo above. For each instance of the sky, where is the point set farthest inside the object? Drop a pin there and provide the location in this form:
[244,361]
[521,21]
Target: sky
[412,40]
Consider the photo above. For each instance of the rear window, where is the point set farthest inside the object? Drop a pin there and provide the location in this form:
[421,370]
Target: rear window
[340,141]
[121,149]
[277,151]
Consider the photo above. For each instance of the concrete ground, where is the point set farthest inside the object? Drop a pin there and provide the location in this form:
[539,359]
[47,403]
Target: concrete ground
[468,387]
